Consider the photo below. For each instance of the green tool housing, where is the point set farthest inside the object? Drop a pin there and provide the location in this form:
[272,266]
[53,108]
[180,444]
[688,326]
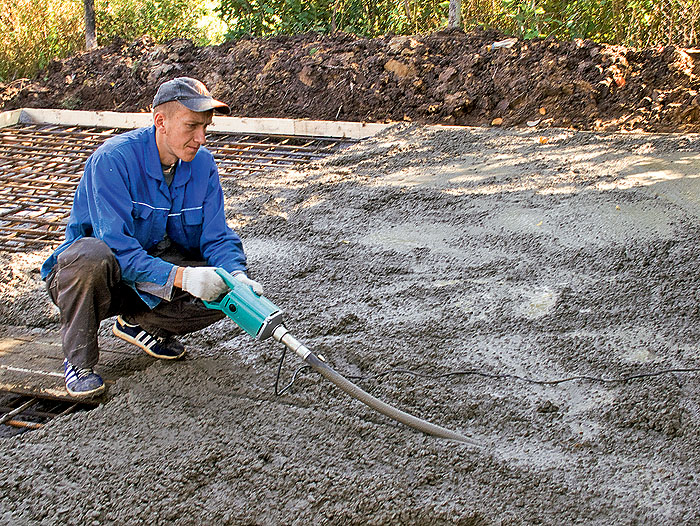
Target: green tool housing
[255,314]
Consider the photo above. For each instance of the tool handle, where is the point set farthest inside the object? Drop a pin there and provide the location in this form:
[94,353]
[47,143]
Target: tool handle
[228,278]
[232,284]
[255,314]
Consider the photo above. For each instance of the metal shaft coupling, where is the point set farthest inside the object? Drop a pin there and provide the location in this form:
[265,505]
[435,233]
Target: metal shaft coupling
[282,335]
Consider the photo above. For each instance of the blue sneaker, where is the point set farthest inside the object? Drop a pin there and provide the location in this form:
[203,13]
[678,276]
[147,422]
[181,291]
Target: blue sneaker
[167,348]
[82,383]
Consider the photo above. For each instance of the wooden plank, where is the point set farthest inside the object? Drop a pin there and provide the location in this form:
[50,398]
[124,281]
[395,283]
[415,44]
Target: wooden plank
[350,130]
[9,118]
[220,124]
[251,125]
[31,362]
[31,367]
[98,119]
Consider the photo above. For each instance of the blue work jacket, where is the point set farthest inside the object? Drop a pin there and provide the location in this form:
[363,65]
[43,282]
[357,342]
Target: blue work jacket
[123,200]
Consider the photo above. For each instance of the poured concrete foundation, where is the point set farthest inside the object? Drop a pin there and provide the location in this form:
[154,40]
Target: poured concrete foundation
[493,257]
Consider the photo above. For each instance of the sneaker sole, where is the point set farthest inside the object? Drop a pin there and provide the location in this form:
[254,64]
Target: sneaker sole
[86,394]
[124,336]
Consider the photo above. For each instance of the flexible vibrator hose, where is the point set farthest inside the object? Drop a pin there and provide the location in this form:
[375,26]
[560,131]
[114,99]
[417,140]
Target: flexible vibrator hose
[282,335]
[261,318]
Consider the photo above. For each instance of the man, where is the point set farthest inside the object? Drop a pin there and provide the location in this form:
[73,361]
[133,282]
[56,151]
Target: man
[146,232]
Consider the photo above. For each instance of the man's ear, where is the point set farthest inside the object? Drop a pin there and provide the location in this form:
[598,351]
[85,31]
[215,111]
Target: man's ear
[159,121]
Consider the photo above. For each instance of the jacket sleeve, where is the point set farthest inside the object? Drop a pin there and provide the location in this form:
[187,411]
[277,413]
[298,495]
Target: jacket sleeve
[220,246]
[110,209]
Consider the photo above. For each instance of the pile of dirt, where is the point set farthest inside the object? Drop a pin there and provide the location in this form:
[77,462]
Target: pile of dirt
[450,77]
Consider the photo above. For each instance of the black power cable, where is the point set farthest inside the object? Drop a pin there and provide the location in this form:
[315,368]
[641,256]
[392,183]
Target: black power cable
[279,391]
[528,380]
[483,374]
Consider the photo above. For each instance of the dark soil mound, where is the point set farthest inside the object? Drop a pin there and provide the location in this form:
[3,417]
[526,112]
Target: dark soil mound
[448,77]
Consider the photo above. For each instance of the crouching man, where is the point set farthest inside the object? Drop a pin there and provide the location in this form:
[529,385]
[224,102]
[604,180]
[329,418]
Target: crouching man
[146,232]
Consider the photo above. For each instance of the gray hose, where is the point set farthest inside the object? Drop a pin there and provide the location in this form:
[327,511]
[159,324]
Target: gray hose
[282,335]
[382,407]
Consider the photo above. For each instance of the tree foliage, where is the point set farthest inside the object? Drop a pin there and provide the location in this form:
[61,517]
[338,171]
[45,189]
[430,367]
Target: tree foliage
[160,19]
[629,22]
[34,32]
[638,23]
[361,17]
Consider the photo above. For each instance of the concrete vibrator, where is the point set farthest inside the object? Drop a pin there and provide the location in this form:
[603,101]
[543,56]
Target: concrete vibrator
[261,318]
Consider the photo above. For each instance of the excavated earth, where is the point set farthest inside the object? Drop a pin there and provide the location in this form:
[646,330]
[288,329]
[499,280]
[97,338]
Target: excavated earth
[487,261]
[449,77]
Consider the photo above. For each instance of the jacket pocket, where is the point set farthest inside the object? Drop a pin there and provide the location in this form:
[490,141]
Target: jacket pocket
[143,222]
[192,219]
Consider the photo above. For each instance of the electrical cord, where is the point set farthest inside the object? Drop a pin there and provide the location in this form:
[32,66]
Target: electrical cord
[474,372]
[525,379]
[278,391]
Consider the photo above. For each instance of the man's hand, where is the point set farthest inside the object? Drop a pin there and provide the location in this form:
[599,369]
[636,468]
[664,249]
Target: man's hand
[202,282]
[257,287]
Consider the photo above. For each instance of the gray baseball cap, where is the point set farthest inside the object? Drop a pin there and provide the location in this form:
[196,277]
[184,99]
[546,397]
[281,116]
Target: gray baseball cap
[191,93]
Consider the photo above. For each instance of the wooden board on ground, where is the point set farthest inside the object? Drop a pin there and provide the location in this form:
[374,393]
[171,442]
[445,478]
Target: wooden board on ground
[31,361]
[220,124]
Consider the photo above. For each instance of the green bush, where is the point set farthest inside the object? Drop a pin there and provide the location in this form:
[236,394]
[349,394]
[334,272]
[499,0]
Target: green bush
[33,32]
[639,23]
[360,17]
[160,19]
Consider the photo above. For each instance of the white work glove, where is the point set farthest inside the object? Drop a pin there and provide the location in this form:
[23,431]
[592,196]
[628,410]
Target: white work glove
[203,282]
[257,287]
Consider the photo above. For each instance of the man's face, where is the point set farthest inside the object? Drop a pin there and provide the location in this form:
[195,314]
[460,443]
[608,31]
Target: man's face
[180,132]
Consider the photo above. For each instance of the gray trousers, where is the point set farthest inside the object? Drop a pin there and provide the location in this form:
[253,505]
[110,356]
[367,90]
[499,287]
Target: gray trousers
[86,287]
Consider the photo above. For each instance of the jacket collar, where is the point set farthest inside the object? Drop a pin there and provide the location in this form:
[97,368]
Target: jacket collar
[152,156]
[183,172]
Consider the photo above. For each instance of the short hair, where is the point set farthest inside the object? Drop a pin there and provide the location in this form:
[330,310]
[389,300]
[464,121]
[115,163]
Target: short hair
[170,108]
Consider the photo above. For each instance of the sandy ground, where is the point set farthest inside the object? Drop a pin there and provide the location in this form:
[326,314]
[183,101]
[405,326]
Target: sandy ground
[499,254]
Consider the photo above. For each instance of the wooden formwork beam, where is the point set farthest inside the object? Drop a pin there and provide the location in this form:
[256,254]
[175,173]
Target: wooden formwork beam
[9,118]
[270,126]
